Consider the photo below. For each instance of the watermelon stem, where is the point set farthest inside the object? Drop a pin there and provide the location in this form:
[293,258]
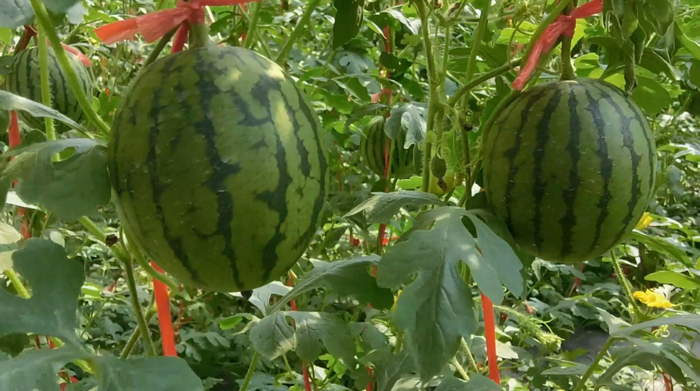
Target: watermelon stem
[251,371]
[591,368]
[199,35]
[44,22]
[159,47]
[637,312]
[136,307]
[252,26]
[298,30]
[482,79]
[46,87]
[567,68]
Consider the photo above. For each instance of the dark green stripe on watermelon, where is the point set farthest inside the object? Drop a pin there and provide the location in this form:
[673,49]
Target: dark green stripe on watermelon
[25,81]
[226,187]
[570,167]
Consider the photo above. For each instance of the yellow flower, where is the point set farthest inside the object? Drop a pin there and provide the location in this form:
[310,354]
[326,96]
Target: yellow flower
[652,299]
[644,221]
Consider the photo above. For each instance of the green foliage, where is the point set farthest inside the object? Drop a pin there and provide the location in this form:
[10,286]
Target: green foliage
[387,293]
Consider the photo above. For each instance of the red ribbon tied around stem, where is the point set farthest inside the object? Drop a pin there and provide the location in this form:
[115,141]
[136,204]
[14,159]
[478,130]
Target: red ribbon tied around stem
[155,25]
[564,25]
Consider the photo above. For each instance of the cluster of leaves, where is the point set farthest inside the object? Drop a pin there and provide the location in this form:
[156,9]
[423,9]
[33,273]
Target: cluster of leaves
[417,324]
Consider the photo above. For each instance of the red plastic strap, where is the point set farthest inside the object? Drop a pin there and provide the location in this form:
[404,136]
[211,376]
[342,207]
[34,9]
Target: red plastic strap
[564,25]
[181,37]
[155,25]
[490,331]
[165,321]
[78,54]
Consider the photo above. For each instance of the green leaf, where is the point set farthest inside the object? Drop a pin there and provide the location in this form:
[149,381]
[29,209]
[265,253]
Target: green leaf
[348,21]
[346,278]
[316,328]
[694,74]
[476,382]
[408,116]
[674,278]
[261,296]
[59,6]
[147,373]
[691,321]
[638,356]
[9,238]
[397,66]
[16,13]
[690,45]
[382,207]
[36,369]
[660,245]
[10,101]
[391,370]
[14,344]
[55,282]
[655,63]
[435,309]
[70,188]
[273,336]
[651,96]
[659,13]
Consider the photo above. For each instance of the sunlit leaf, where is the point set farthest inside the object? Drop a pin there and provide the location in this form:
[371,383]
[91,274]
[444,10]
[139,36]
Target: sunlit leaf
[382,207]
[147,373]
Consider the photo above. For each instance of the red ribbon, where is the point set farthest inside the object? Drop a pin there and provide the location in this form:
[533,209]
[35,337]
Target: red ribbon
[155,25]
[564,25]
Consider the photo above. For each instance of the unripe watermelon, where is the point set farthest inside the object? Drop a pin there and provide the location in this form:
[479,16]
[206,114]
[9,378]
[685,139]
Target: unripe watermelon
[218,167]
[25,80]
[570,167]
[372,150]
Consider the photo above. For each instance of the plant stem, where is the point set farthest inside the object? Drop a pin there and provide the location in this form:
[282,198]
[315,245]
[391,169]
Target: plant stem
[199,35]
[133,293]
[434,98]
[159,47]
[625,285]
[44,22]
[470,356]
[252,26]
[251,371]
[149,269]
[137,333]
[543,26]
[93,228]
[567,68]
[460,369]
[582,384]
[46,86]
[17,283]
[481,79]
[478,37]
[298,29]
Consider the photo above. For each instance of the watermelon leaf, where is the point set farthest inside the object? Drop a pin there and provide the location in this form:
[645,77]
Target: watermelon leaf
[411,117]
[639,356]
[348,20]
[146,373]
[314,328]
[436,309]
[346,278]
[261,296]
[16,13]
[55,283]
[59,6]
[661,246]
[9,243]
[476,383]
[391,370]
[273,336]
[674,278]
[36,369]
[70,188]
[9,101]
[381,207]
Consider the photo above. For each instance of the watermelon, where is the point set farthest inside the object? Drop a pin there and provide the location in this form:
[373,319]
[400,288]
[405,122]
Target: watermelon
[219,167]
[373,145]
[25,80]
[570,167]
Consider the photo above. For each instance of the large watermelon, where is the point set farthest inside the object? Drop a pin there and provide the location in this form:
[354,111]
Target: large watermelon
[373,146]
[570,167]
[219,167]
[25,80]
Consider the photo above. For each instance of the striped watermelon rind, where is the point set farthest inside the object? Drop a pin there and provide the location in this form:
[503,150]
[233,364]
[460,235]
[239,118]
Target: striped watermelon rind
[570,167]
[219,167]
[373,144]
[25,80]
